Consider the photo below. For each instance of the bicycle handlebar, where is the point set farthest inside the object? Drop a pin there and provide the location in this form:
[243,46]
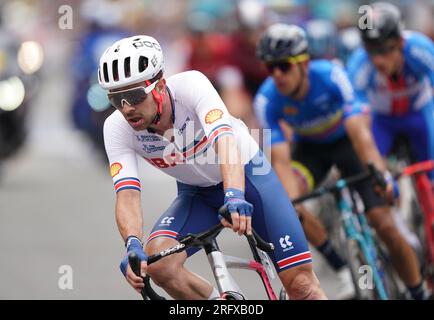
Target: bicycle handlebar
[186,242]
[342,183]
[147,292]
[258,241]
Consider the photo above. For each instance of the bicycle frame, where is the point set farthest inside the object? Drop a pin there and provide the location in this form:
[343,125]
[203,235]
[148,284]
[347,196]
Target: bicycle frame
[354,223]
[220,263]
[425,196]
[364,238]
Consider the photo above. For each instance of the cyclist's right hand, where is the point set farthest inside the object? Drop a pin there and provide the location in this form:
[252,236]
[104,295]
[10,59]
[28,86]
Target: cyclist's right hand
[136,246]
[240,210]
[391,190]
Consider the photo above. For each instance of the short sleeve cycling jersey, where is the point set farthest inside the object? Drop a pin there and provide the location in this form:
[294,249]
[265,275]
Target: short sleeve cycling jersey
[319,117]
[199,118]
[412,88]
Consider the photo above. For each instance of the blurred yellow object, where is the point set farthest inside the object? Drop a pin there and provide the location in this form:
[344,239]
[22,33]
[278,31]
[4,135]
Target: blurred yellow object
[11,93]
[3,61]
[30,56]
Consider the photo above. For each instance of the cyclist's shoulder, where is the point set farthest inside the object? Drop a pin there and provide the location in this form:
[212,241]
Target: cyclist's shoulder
[321,66]
[418,48]
[358,59]
[324,69]
[268,87]
[187,78]
[360,69]
[325,73]
[268,95]
[189,87]
[116,123]
[415,38]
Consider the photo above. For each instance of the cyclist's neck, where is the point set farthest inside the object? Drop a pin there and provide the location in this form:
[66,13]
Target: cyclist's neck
[398,70]
[302,91]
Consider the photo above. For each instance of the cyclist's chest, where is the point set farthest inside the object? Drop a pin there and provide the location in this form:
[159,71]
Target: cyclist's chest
[314,110]
[408,83]
[185,140]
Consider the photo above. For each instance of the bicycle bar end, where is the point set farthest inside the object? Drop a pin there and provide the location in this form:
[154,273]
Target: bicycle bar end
[134,262]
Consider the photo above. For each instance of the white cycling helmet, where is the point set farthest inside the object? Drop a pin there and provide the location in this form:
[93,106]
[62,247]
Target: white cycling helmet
[129,61]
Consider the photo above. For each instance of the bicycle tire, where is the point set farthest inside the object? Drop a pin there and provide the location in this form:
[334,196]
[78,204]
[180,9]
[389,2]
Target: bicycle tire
[354,258]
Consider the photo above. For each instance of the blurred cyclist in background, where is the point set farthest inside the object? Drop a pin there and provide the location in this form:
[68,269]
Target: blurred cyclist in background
[322,39]
[90,106]
[251,17]
[393,74]
[226,54]
[316,99]
[182,127]
[348,41]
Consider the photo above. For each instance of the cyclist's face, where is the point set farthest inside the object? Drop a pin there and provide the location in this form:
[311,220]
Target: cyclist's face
[388,60]
[141,115]
[286,77]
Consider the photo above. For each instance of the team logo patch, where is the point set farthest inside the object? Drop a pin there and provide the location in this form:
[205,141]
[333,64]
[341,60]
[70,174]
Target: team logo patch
[115,168]
[213,115]
[290,111]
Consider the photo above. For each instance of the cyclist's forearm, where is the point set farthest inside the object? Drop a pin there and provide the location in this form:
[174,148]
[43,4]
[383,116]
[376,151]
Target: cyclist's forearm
[364,144]
[368,152]
[287,177]
[231,168]
[128,214]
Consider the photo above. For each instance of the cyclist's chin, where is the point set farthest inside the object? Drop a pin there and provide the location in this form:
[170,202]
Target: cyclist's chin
[140,124]
[385,70]
[284,89]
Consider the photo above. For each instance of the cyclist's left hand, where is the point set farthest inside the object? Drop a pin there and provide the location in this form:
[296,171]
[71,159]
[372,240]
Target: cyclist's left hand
[241,211]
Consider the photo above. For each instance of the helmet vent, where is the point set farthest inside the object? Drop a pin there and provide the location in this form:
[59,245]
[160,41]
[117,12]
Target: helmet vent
[143,63]
[127,70]
[106,76]
[115,70]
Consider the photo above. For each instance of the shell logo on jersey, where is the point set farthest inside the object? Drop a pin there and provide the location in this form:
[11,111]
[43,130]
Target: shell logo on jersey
[115,168]
[213,115]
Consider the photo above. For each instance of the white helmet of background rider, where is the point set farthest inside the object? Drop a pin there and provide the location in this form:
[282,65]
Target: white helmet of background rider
[129,61]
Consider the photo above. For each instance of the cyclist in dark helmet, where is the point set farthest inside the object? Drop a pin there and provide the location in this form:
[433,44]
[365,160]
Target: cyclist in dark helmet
[393,76]
[283,46]
[383,28]
[316,99]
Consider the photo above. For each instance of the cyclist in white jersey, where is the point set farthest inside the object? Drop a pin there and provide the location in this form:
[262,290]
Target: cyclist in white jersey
[182,127]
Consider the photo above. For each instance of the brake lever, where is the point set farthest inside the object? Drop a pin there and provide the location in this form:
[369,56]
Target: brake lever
[258,241]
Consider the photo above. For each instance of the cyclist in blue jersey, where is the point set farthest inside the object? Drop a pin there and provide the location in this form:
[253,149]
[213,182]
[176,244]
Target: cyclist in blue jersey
[316,100]
[393,74]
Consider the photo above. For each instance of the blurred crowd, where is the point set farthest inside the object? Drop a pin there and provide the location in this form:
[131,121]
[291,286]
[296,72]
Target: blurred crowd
[215,37]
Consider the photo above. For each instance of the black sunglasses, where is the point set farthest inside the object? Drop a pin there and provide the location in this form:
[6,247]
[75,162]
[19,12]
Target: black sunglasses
[379,49]
[282,66]
[286,64]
